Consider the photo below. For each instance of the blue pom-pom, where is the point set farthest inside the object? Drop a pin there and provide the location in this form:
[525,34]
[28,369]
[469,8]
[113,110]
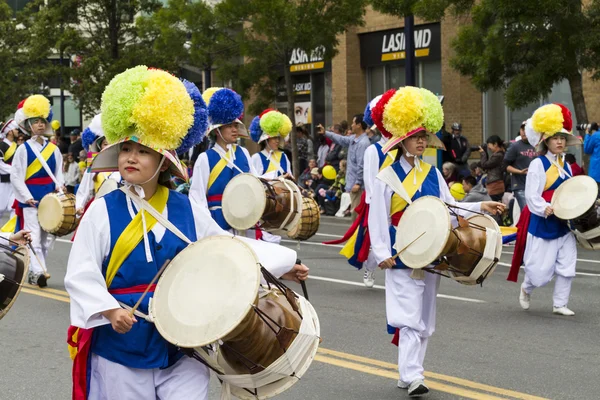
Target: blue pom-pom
[225,106]
[197,131]
[367,115]
[87,138]
[50,115]
[255,131]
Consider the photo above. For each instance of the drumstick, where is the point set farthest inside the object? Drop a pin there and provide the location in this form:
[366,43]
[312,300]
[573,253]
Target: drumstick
[46,274]
[407,246]
[158,274]
[303,284]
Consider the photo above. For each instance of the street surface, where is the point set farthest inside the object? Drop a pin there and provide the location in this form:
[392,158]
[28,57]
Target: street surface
[485,346]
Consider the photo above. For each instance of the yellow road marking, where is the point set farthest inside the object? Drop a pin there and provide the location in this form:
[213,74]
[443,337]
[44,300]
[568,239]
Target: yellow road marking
[370,368]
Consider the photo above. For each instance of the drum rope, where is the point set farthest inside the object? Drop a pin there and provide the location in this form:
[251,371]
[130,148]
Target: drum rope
[293,200]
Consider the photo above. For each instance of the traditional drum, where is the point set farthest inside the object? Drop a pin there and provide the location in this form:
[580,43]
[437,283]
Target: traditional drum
[468,253]
[262,338]
[276,204]
[576,201]
[14,266]
[57,214]
[309,221]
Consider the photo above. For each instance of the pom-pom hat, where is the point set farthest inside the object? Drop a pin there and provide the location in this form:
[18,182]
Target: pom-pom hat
[270,123]
[150,107]
[91,134]
[8,126]
[547,121]
[225,107]
[34,107]
[408,111]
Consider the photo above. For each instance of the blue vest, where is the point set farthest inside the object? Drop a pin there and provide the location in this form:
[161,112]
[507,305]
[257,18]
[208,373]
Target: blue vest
[215,192]
[283,163]
[38,191]
[551,227]
[430,187]
[142,347]
[380,154]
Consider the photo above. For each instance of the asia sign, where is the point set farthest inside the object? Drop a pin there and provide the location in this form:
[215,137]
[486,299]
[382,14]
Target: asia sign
[389,46]
[301,61]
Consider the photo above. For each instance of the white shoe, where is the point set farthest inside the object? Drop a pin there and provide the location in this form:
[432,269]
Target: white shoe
[402,384]
[417,388]
[563,311]
[524,300]
[369,279]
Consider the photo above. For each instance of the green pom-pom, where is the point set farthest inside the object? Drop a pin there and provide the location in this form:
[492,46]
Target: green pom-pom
[271,122]
[434,114]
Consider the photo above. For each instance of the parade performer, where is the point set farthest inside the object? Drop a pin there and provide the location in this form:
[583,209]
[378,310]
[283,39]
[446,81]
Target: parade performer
[411,115]
[357,238]
[8,147]
[267,130]
[93,141]
[36,171]
[118,250]
[545,242]
[226,159]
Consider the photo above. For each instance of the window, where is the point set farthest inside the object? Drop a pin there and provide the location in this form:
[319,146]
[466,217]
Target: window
[375,81]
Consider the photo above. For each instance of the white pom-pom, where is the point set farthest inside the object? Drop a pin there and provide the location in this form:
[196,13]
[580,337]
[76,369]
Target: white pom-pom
[532,136]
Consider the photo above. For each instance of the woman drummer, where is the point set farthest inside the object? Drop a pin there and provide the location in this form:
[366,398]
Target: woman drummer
[118,249]
[267,130]
[410,115]
[545,242]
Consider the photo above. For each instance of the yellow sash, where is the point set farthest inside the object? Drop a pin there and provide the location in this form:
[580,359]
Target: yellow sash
[133,234]
[274,161]
[398,203]
[216,171]
[99,180]
[36,165]
[389,160]
[10,226]
[11,151]
[552,174]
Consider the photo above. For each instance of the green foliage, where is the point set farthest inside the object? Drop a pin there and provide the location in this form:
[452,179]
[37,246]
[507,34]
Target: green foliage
[432,10]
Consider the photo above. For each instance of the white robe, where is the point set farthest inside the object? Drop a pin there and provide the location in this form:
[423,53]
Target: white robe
[260,170]
[85,191]
[7,197]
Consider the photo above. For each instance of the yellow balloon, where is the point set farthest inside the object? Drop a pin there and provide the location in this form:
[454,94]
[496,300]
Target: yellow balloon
[55,125]
[329,172]
[457,191]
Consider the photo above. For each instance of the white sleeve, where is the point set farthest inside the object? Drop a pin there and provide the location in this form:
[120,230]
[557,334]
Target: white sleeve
[17,175]
[5,235]
[257,162]
[250,164]
[446,197]
[85,190]
[288,163]
[58,171]
[370,170]
[275,258]
[534,187]
[379,221]
[84,280]
[200,181]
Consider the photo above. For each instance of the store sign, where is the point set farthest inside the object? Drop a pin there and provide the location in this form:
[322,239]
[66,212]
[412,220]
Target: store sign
[382,47]
[302,61]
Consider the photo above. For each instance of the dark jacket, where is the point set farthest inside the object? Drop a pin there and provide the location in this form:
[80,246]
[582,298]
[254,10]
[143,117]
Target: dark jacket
[493,166]
[333,157]
[459,149]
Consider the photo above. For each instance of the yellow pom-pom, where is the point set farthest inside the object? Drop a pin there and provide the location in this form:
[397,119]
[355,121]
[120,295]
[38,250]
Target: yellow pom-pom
[286,126]
[36,106]
[404,112]
[164,113]
[208,94]
[547,119]
[55,125]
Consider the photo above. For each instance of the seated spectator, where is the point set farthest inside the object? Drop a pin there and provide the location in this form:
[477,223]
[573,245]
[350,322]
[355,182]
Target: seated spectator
[449,172]
[329,200]
[306,174]
[476,171]
[474,190]
[577,170]
[492,164]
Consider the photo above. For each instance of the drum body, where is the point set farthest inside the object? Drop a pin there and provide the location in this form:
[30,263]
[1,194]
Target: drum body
[576,201]
[57,214]
[14,266]
[468,253]
[309,222]
[262,338]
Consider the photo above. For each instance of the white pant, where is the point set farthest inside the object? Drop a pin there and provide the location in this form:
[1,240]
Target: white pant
[40,241]
[345,202]
[7,198]
[186,380]
[545,259]
[410,306]
[370,264]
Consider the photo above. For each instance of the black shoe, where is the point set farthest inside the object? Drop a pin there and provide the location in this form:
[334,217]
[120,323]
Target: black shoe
[42,281]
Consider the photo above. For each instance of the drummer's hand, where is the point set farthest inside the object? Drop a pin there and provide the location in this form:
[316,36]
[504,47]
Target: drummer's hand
[22,237]
[79,212]
[387,264]
[287,175]
[549,211]
[32,202]
[493,207]
[297,274]
[120,319]
[61,189]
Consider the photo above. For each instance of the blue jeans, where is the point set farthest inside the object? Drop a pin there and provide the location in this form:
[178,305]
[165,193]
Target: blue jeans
[520,197]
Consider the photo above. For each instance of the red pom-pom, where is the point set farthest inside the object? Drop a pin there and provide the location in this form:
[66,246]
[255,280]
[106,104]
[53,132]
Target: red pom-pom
[266,111]
[377,112]
[567,118]
[21,104]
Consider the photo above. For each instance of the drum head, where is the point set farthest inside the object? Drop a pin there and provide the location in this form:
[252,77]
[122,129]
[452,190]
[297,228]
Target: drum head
[244,201]
[50,213]
[574,197]
[427,216]
[206,291]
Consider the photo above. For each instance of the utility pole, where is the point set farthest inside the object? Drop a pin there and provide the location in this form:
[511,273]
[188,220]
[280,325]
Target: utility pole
[409,38]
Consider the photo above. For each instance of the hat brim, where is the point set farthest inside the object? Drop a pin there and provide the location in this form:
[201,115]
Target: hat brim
[572,140]
[47,133]
[434,142]
[108,159]
[242,131]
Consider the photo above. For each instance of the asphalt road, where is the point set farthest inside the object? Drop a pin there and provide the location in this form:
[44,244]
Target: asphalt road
[485,346]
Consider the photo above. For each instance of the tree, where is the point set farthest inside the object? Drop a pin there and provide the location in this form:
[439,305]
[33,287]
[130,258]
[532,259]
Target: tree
[253,53]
